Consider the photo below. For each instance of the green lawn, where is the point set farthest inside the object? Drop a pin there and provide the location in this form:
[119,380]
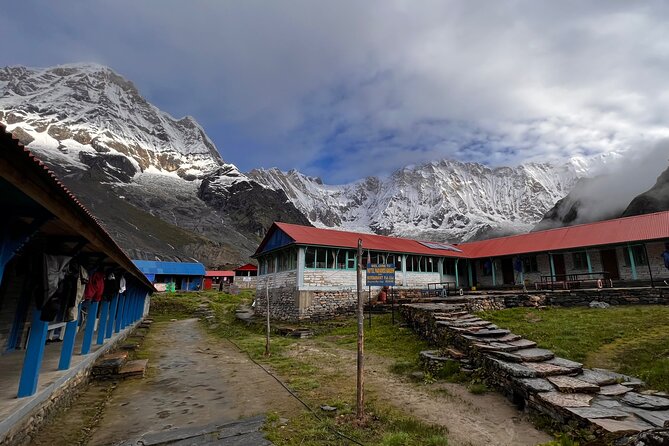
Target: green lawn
[633,340]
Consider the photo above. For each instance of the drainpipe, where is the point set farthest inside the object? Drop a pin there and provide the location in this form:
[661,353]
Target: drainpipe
[632,263]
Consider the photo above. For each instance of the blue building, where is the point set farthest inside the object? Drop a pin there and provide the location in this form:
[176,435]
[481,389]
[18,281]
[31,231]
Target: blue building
[187,276]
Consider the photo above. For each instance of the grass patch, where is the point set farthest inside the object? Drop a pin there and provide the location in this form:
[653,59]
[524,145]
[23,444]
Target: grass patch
[633,340]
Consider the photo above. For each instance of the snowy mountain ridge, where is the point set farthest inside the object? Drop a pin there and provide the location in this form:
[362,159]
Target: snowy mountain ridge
[94,127]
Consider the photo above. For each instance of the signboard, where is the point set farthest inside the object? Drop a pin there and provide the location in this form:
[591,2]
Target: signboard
[380,274]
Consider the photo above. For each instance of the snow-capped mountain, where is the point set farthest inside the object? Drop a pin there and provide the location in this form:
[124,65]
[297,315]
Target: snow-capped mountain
[87,109]
[162,188]
[445,200]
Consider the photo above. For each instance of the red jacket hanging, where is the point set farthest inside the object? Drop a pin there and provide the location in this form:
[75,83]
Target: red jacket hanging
[95,287]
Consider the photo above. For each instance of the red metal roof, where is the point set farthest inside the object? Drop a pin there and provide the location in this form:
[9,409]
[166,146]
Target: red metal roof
[219,274]
[610,232]
[621,230]
[307,235]
[247,267]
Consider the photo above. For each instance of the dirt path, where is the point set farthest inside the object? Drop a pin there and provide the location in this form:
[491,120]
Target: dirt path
[193,379]
[471,420]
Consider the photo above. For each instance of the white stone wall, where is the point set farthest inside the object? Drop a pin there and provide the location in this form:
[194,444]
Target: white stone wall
[343,278]
[277,280]
[420,280]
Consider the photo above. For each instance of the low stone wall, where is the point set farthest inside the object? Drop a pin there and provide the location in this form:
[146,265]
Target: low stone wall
[18,428]
[329,304]
[601,401]
[284,303]
[573,298]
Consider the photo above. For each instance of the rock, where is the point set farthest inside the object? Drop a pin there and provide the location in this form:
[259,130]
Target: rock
[567,384]
[542,369]
[614,390]
[658,418]
[597,304]
[625,380]
[566,400]
[522,343]
[513,369]
[573,367]
[653,437]
[135,368]
[597,377]
[494,333]
[326,408]
[646,401]
[534,354]
[598,412]
[418,375]
[627,424]
[536,385]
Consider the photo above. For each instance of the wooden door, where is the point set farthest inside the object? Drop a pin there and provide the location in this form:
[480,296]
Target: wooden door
[610,263]
[560,269]
[507,271]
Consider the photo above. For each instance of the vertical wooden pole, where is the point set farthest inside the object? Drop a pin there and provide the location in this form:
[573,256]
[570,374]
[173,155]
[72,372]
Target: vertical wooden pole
[267,346]
[361,340]
[369,304]
[650,270]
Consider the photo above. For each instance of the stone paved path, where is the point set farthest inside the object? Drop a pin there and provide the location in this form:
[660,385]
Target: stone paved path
[193,380]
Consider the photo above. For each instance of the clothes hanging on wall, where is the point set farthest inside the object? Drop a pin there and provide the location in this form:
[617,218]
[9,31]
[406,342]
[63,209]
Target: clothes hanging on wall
[60,284]
[73,307]
[111,286]
[122,285]
[95,287]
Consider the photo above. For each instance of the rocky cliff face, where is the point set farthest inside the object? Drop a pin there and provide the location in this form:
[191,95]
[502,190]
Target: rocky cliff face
[149,177]
[655,199]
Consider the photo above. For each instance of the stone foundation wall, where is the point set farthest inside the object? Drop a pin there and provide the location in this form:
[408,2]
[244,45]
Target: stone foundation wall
[581,298]
[329,304]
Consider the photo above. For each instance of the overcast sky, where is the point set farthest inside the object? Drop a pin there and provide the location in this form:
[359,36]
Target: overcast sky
[345,89]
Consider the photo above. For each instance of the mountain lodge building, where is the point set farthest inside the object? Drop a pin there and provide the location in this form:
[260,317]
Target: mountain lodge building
[311,272]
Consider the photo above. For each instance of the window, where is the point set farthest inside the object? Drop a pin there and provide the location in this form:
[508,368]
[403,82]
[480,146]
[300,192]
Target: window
[449,267]
[321,258]
[580,260]
[639,254]
[287,260]
[486,267]
[530,264]
[398,263]
[422,264]
[310,257]
[350,259]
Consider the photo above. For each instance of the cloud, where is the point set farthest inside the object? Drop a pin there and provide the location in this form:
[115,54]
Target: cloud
[347,89]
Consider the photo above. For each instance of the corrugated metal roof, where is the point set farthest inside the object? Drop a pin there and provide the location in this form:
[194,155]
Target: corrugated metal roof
[247,267]
[610,232]
[307,235]
[220,274]
[176,268]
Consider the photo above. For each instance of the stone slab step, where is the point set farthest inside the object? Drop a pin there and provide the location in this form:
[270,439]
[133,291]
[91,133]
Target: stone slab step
[566,400]
[456,354]
[494,346]
[536,385]
[467,324]
[648,402]
[625,380]
[572,367]
[534,354]
[568,384]
[512,369]
[628,424]
[488,333]
[614,390]
[591,413]
[136,368]
[109,364]
[544,369]
[658,418]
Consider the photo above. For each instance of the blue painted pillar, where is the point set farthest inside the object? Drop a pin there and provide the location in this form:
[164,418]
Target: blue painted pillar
[587,258]
[90,328]
[112,316]
[68,342]
[119,314]
[128,309]
[550,255]
[632,262]
[32,361]
[102,324]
